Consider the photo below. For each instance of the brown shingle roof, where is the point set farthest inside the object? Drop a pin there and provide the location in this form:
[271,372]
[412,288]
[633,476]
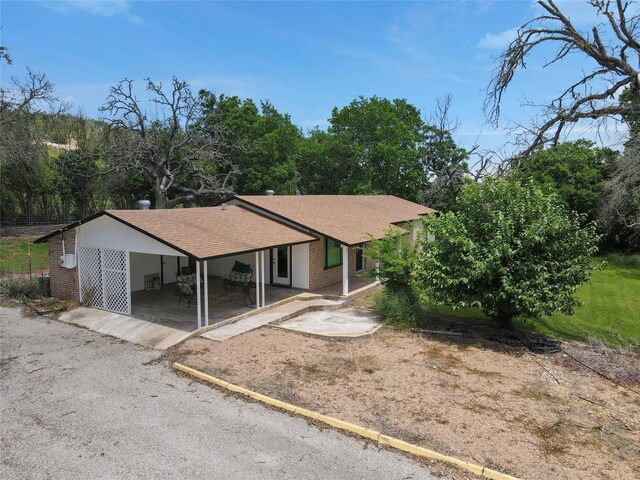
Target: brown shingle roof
[208,232]
[349,219]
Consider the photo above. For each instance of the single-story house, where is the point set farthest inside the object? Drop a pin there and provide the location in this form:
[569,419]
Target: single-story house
[310,241]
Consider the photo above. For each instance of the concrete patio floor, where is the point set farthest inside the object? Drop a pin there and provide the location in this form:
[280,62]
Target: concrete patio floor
[161,306]
[157,321]
[271,316]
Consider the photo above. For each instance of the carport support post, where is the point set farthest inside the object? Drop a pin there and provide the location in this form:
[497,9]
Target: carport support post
[257,280]
[377,270]
[262,276]
[206,294]
[345,270]
[198,294]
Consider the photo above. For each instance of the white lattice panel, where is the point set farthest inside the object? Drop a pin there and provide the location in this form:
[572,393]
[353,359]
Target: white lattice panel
[104,278]
[90,270]
[116,291]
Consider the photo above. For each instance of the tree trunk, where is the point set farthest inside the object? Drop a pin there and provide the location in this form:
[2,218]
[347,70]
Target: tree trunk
[504,318]
[161,196]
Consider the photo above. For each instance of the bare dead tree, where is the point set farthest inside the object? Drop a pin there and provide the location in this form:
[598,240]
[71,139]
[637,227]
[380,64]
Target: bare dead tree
[445,163]
[33,94]
[621,202]
[181,155]
[614,48]
[23,102]
[4,55]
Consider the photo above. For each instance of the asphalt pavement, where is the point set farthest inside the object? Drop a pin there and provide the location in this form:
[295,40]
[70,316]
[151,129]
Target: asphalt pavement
[76,404]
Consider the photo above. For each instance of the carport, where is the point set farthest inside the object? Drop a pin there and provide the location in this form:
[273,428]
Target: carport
[120,252]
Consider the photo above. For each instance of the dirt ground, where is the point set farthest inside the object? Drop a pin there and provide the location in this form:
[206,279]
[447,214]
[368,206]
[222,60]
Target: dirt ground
[566,415]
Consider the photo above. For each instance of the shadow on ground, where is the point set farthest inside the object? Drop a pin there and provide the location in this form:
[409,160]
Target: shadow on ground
[486,335]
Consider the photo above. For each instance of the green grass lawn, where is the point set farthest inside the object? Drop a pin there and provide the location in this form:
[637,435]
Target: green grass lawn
[14,255]
[610,308]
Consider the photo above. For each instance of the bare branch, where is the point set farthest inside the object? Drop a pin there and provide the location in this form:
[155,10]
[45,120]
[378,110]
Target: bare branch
[183,159]
[621,202]
[588,98]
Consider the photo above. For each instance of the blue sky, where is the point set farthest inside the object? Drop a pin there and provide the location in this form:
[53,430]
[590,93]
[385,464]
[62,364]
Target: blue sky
[305,57]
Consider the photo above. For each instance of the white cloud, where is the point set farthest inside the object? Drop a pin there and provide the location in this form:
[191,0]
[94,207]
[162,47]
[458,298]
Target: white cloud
[498,40]
[103,8]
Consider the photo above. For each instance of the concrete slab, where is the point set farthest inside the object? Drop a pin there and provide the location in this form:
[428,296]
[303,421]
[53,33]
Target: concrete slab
[337,323]
[241,326]
[277,314]
[161,306]
[141,332]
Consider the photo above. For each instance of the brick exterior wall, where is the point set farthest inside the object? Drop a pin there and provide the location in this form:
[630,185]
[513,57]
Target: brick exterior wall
[369,263]
[64,281]
[319,276]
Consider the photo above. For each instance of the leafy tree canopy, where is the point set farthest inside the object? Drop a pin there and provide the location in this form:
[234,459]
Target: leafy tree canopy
[574,171]
[327,165]
[380,146]
[260,141]
[510,250]
[384,137]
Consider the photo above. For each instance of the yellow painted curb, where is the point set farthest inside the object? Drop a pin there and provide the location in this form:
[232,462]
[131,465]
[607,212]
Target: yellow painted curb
[350,427]
[200,375]
[307,413]
[272,401]
[425,452]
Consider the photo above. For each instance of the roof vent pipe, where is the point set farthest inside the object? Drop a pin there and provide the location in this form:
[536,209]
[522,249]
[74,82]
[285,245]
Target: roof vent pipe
[269,193]
[144,204]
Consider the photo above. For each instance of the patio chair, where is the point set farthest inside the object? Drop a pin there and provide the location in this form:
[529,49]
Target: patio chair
[240,276]
[187,280]
[185,292]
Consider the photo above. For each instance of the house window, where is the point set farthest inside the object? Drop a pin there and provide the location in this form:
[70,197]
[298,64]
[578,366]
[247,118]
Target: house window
[360,264]
[332,253]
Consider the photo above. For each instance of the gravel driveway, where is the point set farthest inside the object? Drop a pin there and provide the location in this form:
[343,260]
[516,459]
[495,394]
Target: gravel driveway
[76,404]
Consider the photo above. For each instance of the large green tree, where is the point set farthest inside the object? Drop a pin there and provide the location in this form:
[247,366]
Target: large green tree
[328,165]
[509,249]
[384,137]
[380,146]
[574,171]
[261,141]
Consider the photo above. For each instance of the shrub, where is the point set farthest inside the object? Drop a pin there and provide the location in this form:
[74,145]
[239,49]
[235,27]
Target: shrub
[510,250]
[398,307]
[396,259]
[19,288]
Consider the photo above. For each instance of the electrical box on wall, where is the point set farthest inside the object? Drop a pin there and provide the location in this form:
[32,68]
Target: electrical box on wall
[67,261]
